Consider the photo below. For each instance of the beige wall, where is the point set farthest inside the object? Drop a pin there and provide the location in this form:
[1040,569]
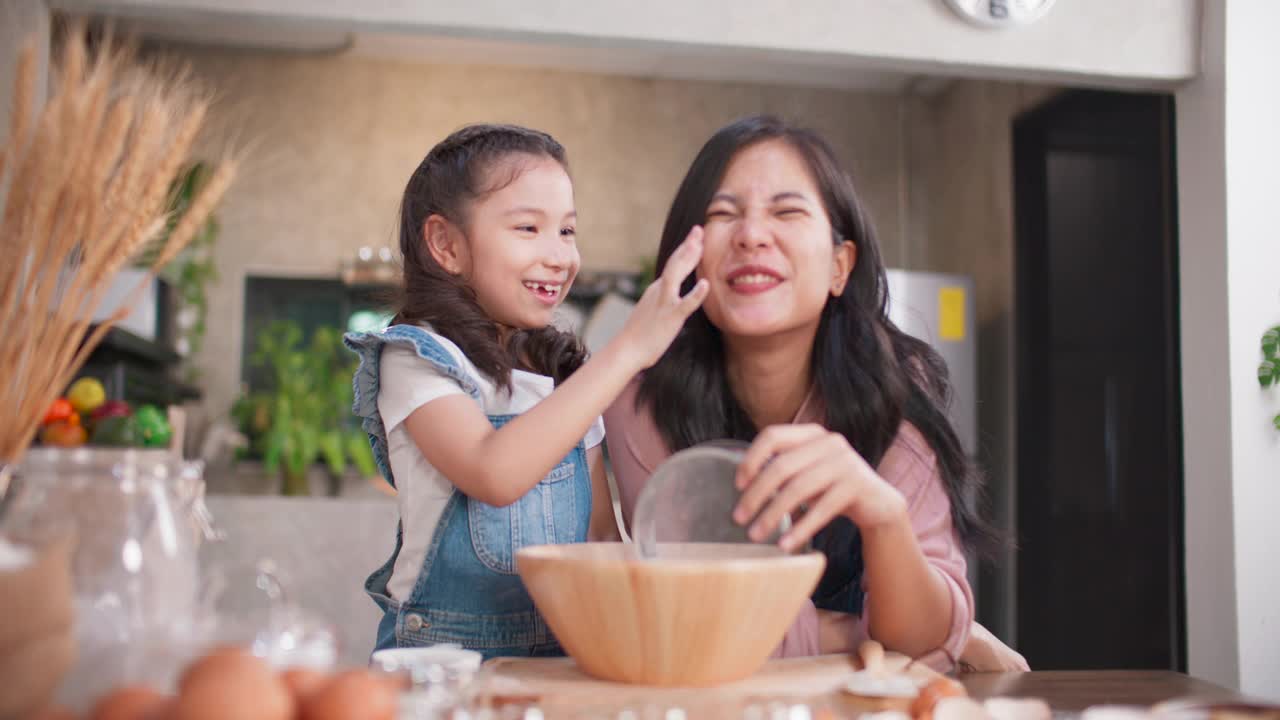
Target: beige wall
[334,140]
[962,211]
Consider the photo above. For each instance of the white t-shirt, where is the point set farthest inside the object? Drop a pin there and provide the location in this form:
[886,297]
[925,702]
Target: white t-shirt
[406,383]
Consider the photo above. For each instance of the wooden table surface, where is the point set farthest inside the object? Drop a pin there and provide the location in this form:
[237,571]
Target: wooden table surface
[1077,689]
[563,690]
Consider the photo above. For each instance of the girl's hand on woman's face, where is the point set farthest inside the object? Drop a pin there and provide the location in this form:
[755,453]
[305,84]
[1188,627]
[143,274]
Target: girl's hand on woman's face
[658,316]
[815,475]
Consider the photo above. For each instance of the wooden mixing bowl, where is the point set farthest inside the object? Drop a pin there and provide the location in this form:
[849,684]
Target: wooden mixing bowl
[698,615]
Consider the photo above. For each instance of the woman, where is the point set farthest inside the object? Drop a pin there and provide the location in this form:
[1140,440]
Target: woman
[793,351]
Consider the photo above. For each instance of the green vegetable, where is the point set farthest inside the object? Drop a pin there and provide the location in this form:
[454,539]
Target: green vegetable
[153,426]
[117,431]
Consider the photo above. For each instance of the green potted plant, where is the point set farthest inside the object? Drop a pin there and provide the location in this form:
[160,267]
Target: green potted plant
[1269,370]
[306,414]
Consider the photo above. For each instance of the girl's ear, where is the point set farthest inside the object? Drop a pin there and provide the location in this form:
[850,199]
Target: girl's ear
[846,256]
[445,243]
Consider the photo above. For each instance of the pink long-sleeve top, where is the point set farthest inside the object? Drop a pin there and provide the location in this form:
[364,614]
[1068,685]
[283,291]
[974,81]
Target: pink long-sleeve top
[636,448]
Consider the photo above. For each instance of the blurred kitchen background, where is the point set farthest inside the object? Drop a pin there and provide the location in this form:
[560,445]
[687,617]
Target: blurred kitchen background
[1023,181]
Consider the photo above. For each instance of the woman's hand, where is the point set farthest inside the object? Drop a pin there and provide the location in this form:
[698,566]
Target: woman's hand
[815,475]
[658,316]
[985,652]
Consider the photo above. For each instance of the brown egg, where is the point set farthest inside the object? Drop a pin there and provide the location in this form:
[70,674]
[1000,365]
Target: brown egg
[165,710]
[303,681]
[135,702]
[54,713]
[399,680]
[352,695]
[214,658]
[922,707]
[231,683]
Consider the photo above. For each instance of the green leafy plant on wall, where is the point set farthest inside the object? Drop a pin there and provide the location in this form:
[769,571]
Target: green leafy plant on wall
[306,415]
[1269,370]
[193,269]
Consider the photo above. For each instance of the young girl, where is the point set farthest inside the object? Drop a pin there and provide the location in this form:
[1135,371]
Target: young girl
[483,416]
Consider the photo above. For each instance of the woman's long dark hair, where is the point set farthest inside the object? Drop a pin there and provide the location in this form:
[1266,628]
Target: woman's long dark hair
[869,374]
[461,169]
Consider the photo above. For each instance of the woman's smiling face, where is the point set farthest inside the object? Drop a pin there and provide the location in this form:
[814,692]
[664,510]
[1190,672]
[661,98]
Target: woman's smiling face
[768,249]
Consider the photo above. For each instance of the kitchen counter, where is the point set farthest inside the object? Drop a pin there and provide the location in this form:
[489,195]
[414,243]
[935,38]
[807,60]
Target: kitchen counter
[559,689]
[1075,690]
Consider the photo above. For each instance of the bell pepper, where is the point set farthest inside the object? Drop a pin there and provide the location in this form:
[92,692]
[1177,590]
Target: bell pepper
[153,426]
[58,412]
[116,431]
[63,434]
[112,408]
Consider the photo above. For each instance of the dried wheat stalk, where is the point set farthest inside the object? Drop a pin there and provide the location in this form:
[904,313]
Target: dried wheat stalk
[88,182]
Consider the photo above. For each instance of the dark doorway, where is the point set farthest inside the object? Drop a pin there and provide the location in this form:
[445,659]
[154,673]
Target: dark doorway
[1099,425]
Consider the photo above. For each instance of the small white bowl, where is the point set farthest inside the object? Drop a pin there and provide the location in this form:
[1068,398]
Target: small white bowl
[453,659]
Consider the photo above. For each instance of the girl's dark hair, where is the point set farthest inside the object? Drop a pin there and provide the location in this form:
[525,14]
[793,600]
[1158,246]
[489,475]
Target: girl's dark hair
[869,374]
[463,168]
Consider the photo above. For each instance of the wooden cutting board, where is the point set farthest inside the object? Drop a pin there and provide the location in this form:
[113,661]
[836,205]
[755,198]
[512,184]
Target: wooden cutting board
[554,683]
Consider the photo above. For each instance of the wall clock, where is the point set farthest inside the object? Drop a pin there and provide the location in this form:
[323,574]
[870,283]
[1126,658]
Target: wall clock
[1001,13]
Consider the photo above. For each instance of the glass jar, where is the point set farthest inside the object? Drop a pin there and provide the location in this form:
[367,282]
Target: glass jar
[138,519]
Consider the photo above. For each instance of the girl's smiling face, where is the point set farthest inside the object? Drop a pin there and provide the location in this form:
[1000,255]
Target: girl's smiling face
[519,250]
